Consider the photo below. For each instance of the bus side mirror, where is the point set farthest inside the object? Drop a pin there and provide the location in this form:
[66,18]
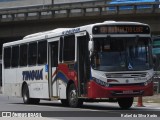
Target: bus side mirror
[91,46]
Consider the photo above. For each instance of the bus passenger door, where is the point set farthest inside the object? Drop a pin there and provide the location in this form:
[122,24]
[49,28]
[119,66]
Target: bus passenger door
[82,62]
[53,64]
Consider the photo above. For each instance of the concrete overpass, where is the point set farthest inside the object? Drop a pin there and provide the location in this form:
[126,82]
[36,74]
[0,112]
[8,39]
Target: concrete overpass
[17,22]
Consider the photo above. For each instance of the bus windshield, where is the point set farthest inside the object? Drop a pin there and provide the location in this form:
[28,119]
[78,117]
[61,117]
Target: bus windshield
[121,54]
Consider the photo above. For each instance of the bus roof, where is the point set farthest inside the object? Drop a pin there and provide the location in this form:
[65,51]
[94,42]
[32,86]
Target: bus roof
[61,32]
[35,37]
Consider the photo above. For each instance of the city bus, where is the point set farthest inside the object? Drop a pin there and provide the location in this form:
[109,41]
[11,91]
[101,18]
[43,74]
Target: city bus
[109,61]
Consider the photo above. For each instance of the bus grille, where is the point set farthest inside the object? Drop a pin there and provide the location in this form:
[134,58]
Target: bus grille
[126,75]
[126,85]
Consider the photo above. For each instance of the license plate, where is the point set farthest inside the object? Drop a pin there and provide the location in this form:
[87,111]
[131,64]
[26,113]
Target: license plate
[128,92]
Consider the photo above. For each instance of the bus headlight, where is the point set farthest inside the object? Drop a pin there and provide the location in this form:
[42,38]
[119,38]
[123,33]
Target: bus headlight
[107,85]
[148,82]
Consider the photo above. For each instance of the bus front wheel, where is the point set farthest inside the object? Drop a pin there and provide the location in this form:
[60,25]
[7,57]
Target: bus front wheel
[125,103]
[73,100]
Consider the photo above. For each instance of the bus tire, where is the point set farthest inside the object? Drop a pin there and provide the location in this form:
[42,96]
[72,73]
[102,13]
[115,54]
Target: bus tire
[26,99]
[125,103]
[72,96]
[25,95]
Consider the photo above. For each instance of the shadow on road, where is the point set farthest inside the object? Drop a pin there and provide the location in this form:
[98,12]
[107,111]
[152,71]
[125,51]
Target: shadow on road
[86,106]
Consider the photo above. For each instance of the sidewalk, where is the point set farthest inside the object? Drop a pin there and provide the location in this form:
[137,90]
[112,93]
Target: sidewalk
[150,99]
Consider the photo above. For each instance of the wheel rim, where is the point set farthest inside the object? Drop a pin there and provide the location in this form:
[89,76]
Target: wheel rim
[25,95]
[73,97]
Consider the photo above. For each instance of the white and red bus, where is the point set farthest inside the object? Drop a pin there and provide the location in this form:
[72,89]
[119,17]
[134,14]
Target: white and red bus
[109,61]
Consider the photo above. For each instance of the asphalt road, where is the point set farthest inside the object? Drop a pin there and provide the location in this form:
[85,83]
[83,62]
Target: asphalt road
[54,109]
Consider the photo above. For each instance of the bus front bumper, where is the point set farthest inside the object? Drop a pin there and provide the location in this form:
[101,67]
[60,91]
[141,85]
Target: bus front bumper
[97,91]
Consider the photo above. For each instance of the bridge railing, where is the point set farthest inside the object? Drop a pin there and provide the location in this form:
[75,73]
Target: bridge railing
[94,8]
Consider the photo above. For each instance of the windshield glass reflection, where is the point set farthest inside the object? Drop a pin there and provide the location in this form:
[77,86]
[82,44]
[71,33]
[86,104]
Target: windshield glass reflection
[120,54]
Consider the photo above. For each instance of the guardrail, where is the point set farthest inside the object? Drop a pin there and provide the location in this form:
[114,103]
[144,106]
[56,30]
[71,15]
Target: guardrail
[78,9]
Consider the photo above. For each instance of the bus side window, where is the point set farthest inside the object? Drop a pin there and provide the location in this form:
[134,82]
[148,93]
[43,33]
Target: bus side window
[42,52]
[69,48]
[23,55]
[32,53]
[15,56]
[7,57]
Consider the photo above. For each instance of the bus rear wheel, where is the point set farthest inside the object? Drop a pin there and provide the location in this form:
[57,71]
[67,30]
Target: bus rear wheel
[26,98]
[73,100]
[25,94]
[125,103]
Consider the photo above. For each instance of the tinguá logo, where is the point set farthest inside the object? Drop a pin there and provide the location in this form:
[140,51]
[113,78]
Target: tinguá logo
[33,75]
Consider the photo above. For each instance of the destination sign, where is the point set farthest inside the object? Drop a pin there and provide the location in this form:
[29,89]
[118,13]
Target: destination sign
[121,29]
